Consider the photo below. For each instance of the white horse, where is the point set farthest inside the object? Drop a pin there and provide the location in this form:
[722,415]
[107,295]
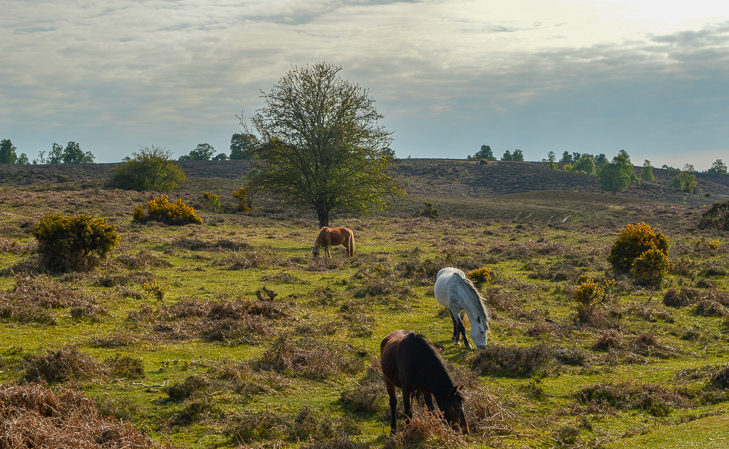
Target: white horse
[458,294]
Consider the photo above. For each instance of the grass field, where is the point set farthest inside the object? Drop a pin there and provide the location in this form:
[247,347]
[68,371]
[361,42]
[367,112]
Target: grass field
[220,362]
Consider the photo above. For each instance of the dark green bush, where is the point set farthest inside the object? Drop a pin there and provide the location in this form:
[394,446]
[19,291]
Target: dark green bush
[149,169]
[74,243]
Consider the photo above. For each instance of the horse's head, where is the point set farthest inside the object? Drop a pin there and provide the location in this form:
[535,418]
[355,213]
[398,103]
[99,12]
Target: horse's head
[479,330]
[315,251]
[454,410]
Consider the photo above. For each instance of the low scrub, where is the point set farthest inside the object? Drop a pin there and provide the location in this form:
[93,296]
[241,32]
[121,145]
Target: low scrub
[149,169]
[513,361]
[367,396]
[717,217]
[74,243]
[59,366]
[160,209]
[425,430]
[306,424]
[654,399]
[34,296]
[35,416]
[309,357]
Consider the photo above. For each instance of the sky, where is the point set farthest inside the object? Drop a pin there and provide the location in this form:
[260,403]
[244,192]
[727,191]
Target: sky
[650,77]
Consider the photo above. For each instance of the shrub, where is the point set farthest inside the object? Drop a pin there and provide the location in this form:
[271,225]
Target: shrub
[429,211]
[650,267]
[633,241]
[481,276]
[243,197]
[37,416]
[513,361]
[717,216]
[125,366]
[149,169]
[160,209]
[483,161]
[74,243]
[212,201]
[59,366]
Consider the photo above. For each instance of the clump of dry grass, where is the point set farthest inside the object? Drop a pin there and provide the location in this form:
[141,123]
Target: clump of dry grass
[142,260]
[192,384]
[425,430]
[652,398]
[196,244]
[64,364]
[513,361]
[322,264]
[36,416]
[114,340]
[309,357]
[242,378]
[647,344]
[115,280]
[306,424]
[125,366]
[611,339]
[682,298]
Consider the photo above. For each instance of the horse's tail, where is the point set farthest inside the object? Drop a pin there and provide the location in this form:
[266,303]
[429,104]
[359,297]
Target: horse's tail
[350,245]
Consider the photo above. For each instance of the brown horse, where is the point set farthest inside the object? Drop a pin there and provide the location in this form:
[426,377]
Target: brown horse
[332,237]
[410,362]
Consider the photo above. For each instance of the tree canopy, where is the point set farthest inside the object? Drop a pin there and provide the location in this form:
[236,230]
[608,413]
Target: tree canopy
[717,168]
[7,152]
[242,145]
[484,153]
[322,144]
[72,154]
[203,152]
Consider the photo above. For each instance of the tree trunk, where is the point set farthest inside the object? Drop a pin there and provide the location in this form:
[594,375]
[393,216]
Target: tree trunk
[322,212]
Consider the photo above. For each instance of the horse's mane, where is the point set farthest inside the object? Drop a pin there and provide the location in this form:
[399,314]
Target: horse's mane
[480,303]
[430,350]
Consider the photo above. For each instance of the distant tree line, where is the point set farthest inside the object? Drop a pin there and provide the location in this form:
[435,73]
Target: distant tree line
[70,154]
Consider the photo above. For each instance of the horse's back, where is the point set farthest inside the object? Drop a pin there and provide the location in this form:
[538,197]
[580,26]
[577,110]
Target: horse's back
[407,359]
[444,284]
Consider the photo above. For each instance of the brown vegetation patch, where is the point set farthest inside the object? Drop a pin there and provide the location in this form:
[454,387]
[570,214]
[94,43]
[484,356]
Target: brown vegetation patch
[306,424]
[425,430]
[195,244]
[34,296]
[309,357]
[14,247]
[647,344]
[651,398]
[513,361]
[134,277]
[59,366]
[682,298]
[611,339]
[35,416]
[142,260]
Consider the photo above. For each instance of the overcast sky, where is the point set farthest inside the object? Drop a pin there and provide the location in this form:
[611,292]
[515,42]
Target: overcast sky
[650,77]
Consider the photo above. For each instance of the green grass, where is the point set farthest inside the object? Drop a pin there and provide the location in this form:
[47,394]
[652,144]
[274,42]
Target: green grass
[518,241]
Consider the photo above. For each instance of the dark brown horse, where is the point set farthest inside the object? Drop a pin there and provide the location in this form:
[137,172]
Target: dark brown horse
[332,237]
[410,362]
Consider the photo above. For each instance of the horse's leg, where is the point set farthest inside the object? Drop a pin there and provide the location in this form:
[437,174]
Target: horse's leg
[428,398]
[326,250]
[454,338]
[406,396]
[393,405]
[463,332]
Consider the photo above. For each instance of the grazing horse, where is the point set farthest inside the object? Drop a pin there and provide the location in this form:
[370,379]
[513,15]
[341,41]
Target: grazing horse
[457,293]
[411,363]
[332,237]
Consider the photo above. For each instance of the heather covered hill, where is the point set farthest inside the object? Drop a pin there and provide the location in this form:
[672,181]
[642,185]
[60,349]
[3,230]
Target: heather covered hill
[421,177]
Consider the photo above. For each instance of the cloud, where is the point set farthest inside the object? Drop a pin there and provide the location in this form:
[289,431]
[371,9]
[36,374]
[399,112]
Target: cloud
[447,75]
